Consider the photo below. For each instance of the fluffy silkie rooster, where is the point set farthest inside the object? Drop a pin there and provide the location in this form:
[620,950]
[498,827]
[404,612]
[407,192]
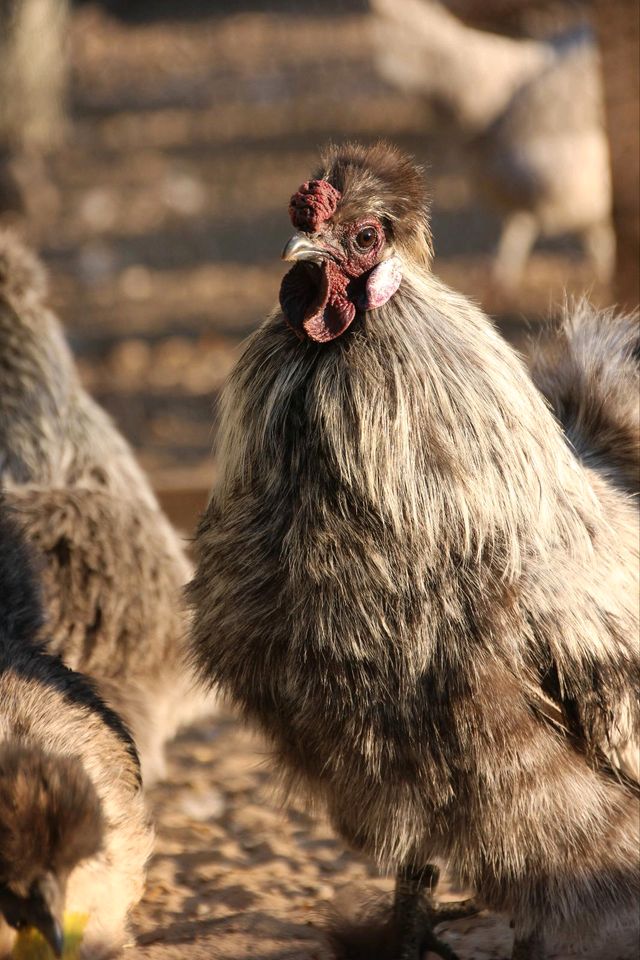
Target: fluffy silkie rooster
[420,584]
[114,566]
[74,835]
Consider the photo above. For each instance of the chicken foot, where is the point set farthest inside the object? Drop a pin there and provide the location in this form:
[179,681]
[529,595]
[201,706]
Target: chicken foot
[414,920]
[529,948]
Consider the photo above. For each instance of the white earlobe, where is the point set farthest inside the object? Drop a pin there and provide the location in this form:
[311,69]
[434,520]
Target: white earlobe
[382,283]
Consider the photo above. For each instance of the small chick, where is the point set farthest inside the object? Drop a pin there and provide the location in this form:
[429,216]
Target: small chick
[73,830]
[50,821]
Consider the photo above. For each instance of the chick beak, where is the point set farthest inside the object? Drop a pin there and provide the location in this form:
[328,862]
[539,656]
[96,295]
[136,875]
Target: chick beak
[51,930]
[47,912]
[301,247]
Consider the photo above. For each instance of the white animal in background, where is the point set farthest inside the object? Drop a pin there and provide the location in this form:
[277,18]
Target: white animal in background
[533,111]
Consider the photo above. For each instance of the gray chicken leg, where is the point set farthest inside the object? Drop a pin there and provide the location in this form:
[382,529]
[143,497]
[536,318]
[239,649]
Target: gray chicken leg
[529,948]
[415,919]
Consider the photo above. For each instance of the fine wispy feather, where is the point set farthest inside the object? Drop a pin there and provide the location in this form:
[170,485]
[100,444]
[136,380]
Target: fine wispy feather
[416,583]
[73,829]
[114,566]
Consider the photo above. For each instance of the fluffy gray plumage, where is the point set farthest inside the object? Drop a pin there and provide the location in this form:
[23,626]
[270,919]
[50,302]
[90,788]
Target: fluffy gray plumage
[588,371]
[425,592]
[73,829]
[114,567]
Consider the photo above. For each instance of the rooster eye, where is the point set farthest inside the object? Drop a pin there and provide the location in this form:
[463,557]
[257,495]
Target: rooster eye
[366,237]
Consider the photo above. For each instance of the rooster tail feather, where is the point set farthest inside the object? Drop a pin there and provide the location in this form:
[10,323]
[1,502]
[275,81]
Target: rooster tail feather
[588,369]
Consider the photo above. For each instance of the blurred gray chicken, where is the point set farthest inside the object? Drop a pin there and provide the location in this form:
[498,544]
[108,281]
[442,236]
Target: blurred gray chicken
[73,829]
[115,568]
[533,112]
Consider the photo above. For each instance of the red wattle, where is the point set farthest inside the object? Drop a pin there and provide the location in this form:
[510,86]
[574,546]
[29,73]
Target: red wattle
[334,314]
[321,310]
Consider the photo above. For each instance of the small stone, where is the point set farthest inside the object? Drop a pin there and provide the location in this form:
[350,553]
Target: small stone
[203,806]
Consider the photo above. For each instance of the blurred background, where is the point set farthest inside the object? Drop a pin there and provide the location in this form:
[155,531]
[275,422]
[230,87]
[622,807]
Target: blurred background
[148,149]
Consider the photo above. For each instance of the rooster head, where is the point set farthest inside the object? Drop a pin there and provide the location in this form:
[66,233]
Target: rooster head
[358,220]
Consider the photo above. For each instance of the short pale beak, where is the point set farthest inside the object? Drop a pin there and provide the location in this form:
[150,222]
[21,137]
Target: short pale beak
[301,247]
[42,910]
[51,929]
[47,912]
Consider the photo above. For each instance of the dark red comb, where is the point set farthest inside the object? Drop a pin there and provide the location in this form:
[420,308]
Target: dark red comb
[312,204]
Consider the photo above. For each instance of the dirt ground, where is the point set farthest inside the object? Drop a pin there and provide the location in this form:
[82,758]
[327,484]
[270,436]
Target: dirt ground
[161,221]
[237,877]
